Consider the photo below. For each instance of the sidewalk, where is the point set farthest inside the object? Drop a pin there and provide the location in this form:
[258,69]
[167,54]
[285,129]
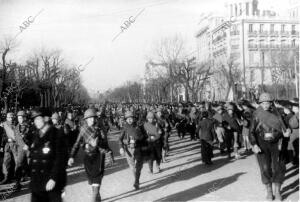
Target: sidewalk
[183,178]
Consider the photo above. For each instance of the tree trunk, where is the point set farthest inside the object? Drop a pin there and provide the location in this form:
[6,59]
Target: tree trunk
[41,99]
[186,93]
[228,91]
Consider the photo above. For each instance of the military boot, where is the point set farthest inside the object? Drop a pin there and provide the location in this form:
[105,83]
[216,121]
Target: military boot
[269,192]
[278,196]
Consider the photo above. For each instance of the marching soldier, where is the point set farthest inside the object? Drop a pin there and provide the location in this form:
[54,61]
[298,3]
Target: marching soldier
[23,139]
[266,132]
[10,148]
[48,170]
[95,148]
[165,126]
[132,141]
[206,132]
[71,129]
[154,134]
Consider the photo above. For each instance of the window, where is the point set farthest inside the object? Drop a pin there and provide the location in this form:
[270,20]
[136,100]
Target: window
[261,27]
[283,43]
[282,28]
[272,28]
[272,43]
[293,29]
[261,43]
[241,9]
[247,8]
[293,42]
[251,57]
[250,27]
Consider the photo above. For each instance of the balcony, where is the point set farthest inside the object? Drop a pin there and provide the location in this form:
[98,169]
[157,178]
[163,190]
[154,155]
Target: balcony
[289,46]
[274,33]
[263,46]
[284,33]
[274,46]
[236,32]
[235,46]
[252,46]
[252,33]
[219,37]
[263,33]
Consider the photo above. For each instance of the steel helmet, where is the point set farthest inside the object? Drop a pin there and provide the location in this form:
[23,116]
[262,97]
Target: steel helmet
[265,97]
[230,107]
[89,113]
[128,114]
[150,115]
[55,116]
[36,113]
[10,115]
[21,113]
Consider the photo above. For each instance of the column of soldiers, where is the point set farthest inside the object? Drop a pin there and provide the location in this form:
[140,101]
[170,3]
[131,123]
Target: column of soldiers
[270,129]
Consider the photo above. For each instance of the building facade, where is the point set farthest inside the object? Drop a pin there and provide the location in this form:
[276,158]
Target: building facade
[247,39]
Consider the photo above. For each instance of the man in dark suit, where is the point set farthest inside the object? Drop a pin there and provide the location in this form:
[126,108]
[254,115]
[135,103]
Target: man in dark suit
[48,169]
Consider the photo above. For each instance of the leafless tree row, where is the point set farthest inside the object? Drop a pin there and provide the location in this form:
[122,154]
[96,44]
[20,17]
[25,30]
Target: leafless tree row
[44,77]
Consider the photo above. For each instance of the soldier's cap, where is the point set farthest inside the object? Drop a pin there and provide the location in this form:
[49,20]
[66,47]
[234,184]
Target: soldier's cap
[10,115]
[128,114]
[205,114]
[150,115]
[219,108]
[230,107]
[55,116]
[91,112]
[36,113]
[159,109]
[21,113]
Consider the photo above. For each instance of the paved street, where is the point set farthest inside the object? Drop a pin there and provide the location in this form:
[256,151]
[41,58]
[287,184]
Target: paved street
[183,178]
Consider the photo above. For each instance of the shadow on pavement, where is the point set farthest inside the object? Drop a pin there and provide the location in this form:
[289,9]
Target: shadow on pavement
[202,189]
[292,174]
[290,189]
[180,175]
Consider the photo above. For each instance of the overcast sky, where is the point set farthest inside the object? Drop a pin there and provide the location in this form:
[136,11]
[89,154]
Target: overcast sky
[84,30]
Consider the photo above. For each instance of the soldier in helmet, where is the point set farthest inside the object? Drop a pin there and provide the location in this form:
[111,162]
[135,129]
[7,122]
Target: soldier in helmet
[95,148]
[232,128]
[166,129]
[23,134]
[10,151]
[266,132]
[132,141]
[154,134]
[71,128]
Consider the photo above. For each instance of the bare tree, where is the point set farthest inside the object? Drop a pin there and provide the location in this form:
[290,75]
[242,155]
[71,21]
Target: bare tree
[230,69]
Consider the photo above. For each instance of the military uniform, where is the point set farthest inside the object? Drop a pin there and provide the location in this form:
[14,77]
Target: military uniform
[10,149]
[154,133]
[133,142]
[266,133]
[94,158]
[166,128]
[24,137]
[47,162]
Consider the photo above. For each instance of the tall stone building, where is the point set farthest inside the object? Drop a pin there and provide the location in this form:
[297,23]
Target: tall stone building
[246,41]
